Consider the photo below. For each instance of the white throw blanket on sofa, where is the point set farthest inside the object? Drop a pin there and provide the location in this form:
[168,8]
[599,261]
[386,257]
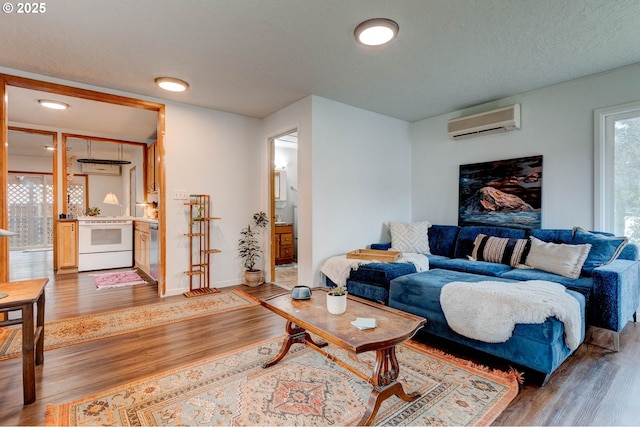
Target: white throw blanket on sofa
[338,268]
[489,311]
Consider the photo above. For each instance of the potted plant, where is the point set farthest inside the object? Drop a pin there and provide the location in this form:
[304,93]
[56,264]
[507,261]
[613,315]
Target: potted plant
[94,211]
[337,300]
[250,248]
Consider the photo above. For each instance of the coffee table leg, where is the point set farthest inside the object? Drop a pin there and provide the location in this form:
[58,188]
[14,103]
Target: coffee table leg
[296,335]
[385,384]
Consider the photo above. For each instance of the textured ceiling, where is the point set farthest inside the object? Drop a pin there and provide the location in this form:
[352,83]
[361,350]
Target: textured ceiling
[254,57]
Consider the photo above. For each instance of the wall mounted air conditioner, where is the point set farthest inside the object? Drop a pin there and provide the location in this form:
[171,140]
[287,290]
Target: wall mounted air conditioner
[100,169]
[494,121]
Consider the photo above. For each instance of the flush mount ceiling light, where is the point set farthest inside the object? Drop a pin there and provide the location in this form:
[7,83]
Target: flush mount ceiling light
[376,32]
[171,84]
[54,105]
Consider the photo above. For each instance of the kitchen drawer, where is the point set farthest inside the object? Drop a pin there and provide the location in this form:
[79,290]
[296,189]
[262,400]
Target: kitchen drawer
[286,251]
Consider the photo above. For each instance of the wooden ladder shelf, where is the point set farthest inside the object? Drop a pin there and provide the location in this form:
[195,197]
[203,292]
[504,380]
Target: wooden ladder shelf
[199,245]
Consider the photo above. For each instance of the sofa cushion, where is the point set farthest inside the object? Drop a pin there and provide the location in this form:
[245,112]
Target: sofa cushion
[383,246]
[468,234]
[442,239]
[412,237]
[583,285]
[467,265]
[501,250]
[559,258]
[553,235]
[604,249]
[381,273]
[368,291]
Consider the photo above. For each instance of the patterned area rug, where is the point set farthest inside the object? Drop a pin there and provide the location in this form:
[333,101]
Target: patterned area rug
[75,330]
[118,279]
[305,388]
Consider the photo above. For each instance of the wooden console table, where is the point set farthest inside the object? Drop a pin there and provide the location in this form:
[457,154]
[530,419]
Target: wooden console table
[21,296]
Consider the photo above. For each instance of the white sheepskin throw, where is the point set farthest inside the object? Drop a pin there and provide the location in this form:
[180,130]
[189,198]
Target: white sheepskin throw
[489,311]
[420,261]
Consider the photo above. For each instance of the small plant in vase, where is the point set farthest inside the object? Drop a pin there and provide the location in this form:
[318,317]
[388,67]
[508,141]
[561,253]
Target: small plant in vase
[337,300]
[94,211]
[250,248]
[198,216]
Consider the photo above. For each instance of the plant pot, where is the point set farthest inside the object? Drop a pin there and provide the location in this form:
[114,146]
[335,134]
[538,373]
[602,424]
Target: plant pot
[336,304]
[253,278]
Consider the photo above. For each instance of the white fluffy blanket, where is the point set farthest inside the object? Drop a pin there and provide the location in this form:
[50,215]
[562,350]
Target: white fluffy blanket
[489,311]
[338,268]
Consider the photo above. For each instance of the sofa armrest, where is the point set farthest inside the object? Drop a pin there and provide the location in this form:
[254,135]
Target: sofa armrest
[616,294]
[381,246]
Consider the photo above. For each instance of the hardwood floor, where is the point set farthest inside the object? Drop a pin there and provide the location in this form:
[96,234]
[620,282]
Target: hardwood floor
[596,386]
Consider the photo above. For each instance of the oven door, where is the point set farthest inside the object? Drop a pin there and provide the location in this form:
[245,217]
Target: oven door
[98,237]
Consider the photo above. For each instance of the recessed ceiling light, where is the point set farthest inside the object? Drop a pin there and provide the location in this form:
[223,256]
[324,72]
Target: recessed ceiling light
[376,32]
[171,84]
[54,105]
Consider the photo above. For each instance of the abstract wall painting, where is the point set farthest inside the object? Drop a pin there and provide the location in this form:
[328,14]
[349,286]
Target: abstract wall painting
[504,193]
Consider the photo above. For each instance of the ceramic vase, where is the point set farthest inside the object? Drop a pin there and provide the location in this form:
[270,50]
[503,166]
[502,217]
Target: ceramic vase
[336,304]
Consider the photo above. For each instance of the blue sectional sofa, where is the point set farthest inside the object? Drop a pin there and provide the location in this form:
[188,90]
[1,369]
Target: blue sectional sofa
[607,288]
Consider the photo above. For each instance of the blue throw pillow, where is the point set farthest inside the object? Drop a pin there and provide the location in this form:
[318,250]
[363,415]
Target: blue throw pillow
[604,249]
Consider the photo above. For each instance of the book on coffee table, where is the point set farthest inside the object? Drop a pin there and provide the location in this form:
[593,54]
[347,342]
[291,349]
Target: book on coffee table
[363,323]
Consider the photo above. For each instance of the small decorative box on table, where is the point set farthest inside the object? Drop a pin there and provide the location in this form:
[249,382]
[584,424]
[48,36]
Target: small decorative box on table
[374,255]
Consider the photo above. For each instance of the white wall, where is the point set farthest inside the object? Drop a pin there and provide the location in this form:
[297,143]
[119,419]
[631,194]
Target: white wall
[557,122]
[31,164]
[100,186]
[215,153]
[361,178]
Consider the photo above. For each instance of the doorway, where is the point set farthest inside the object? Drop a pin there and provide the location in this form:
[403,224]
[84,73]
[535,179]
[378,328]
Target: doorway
[111,106]
[284,203]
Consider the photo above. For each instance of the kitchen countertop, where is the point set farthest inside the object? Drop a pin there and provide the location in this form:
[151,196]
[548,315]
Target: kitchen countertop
[113,218]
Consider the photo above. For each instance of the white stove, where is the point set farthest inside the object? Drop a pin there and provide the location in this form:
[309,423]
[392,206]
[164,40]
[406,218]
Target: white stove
[104,242]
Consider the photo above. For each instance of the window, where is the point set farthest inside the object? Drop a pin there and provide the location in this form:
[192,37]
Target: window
[77,195]
[30,203]
[617,166]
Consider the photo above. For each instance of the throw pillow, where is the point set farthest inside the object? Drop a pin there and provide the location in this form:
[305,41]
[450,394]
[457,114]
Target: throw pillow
[559,258]
[500,250]
[604,249]
[412,237]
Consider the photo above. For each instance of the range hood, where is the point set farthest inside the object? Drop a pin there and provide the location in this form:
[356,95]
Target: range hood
[104,161]
[91,160]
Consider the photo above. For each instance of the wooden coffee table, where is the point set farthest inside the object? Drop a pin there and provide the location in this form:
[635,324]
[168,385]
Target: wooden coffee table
[393,327]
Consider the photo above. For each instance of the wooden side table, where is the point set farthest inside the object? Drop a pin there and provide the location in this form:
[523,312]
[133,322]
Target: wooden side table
[21,296]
